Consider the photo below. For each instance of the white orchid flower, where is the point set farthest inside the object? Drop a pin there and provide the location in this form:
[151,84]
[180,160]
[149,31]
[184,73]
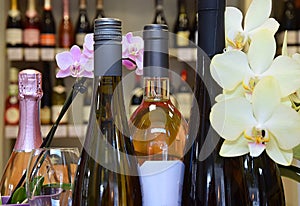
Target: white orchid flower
[264,124]
[257,17]
[232,68]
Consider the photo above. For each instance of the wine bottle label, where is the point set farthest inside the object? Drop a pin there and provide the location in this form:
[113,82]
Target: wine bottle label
[31,54]
[182,38]
[47,54]
[55,112]
[162,182]
[47,39]
[12,115]
[80,38]
[14,53]
[14,36]
[31,36]
[45,115]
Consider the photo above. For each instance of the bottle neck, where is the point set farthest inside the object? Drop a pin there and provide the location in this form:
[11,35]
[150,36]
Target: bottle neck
[181,7]
[82,4]
[99,4]
[47,5]
[31,11]
[66,13]
[14,5]
[159,5]
[29,134]
[156,89]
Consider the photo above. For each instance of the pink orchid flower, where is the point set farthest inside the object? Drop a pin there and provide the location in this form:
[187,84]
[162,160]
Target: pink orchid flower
[74,63]
[133,48]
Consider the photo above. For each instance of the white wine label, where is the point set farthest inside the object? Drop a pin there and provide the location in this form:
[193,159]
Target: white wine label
[183,38]
[14,36]
[15,53]
[31,54]
[47,54]
[162,182]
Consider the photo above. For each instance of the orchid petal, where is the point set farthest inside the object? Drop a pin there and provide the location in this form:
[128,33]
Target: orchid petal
[75,52]
[257,13]
[271,24]
[287,71]
[63,73]
[139,71]
[283,157]
[231,117]
[284,125]
[261,51]
[89,42]
[87,74]
[296,57]
[64,60]
[233,19]
[229,69]
[234,148]
[89,65]
[256,148]
[284,45]
[236,92]
[128,64]
[265,98]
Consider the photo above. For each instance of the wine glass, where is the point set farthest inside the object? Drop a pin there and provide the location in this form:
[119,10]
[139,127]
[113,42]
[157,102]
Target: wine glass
[50,176]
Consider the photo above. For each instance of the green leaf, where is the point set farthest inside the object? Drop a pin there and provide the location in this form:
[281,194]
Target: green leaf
[19,196]
[64,186]
[296,151]
[291,172]
[36,185]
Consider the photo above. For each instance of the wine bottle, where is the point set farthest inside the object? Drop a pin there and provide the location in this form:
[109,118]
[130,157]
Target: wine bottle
[48,33]
[194,30]
[288,22]
[108,169]
[209,178]
[158,129]
[12,113]
[184,95]
[87,101]
[46,102]
[29,133]
[31,34]
[83,24]
[99,12]
[182,28]
[137,95]
[66,30]
[59,96]
[159,17]
[14,32]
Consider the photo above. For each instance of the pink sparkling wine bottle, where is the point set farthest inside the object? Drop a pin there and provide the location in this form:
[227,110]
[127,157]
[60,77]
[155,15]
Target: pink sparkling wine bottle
[29,133]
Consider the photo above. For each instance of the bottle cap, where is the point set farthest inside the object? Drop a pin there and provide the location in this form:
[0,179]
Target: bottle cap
[156,50]
[106,29]
[30,84]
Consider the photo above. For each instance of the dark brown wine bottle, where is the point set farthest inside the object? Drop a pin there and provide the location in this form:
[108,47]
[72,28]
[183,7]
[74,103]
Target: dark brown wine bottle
[108,170]
[159,17]
[209,178]
[14,32]
[82,25]
[48,33]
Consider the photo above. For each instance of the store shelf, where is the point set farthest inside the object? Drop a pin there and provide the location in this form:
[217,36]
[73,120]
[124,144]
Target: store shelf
[63,131]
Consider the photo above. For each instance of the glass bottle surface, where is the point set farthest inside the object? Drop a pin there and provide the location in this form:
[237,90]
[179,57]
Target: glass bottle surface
[137,95]
[29,133]
[66,30]
[83,24]
[108,170]
[210,179]
[158,129]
